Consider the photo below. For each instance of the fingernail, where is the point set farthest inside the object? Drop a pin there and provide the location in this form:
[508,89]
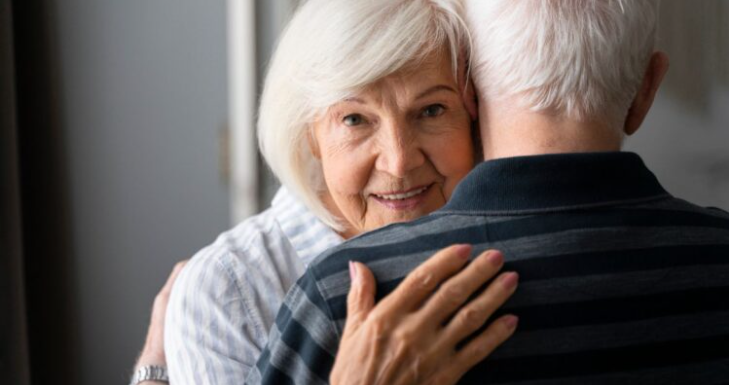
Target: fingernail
[511,321]
[510,280]
[495,257]
[463,251]
[352,271]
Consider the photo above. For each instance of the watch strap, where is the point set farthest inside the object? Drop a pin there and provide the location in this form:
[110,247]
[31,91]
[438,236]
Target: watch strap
[150,373]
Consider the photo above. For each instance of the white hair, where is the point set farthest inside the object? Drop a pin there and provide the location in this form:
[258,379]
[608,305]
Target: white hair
[582,59]
[332,49]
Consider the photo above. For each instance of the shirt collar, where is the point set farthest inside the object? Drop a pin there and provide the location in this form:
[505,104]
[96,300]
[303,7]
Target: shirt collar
[306,233]
[534,184]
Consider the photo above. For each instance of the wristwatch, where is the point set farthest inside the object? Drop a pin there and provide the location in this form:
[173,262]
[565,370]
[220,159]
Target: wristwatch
[150,373]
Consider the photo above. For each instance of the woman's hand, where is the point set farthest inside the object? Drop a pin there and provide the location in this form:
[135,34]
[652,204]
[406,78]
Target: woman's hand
[412,335]
[153,352]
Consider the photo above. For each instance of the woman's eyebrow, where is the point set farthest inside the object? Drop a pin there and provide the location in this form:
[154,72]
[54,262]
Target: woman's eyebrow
[354,100]
[439,87]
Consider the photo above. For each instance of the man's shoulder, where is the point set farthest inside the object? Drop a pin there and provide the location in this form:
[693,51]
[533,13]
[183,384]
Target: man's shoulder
[396,236]
[678,206]
[391,252]
[715,210]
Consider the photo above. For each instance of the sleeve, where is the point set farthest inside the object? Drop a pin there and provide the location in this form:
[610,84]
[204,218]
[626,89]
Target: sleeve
[211,336]
[303,341]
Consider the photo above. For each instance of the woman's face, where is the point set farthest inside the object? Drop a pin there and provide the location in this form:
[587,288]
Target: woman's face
[395,151]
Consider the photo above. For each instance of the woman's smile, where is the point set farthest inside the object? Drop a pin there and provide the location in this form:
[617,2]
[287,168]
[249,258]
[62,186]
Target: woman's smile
[404,199]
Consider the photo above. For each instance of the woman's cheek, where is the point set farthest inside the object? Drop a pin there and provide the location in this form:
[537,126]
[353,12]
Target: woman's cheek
[453,149]
[453,158]
[346,174]
[348,167]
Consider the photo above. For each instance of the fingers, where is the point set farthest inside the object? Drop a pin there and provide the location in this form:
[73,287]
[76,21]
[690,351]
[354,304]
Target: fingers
[475,314]
[459,288]
[361,297]
[482,346]
[173,276]
[421,282]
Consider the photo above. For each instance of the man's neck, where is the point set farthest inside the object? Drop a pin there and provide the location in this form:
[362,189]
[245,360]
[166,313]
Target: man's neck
[516,132]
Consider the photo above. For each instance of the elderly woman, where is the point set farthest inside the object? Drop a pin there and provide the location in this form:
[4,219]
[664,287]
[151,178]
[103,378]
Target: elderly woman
[363,121]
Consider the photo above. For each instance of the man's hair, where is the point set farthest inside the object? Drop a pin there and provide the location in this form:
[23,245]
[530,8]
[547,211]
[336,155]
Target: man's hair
[582,59]
[332,49]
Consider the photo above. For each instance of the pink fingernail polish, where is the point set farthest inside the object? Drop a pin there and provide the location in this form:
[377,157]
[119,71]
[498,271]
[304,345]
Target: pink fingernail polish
[463,251]
[495,257]
[510,279]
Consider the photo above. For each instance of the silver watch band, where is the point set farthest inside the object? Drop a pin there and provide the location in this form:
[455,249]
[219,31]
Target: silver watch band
[150,373]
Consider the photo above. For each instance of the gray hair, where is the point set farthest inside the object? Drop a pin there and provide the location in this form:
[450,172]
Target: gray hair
[332,49]
[583,59]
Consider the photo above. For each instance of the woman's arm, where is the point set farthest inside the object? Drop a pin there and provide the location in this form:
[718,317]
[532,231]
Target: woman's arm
[401,340]
[153,353]
[214,329]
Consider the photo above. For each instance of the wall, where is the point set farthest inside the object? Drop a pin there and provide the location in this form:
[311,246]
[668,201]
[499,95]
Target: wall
[271,17]
[685,139]
[142,94]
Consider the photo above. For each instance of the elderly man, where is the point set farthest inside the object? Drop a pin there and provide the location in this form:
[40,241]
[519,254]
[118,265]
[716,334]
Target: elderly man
[620,281]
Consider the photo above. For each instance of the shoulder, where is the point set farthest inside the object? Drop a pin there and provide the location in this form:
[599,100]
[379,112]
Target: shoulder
[391,251]
[249,265]
[708,215]
[398,238]
[256,243]
[719,211]
[220,308]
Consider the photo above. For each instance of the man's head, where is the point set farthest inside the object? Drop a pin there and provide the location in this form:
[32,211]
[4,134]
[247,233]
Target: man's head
[585,67]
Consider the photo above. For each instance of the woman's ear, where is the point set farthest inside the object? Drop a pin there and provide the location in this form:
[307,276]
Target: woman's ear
[471,100]
[465,85]
[313,143]
[654,74]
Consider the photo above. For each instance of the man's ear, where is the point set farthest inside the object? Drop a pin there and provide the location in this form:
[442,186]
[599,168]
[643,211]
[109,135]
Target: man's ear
[654,74]
[313,144]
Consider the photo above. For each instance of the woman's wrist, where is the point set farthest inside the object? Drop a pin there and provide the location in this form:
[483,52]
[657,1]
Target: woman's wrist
[153,358]
[151,365]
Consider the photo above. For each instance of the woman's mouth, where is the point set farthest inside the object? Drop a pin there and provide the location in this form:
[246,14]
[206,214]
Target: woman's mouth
[402,200]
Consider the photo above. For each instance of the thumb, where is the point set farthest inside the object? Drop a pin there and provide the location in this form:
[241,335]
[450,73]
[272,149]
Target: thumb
[361,297]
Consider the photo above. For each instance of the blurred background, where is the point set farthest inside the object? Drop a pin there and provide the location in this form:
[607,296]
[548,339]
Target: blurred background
[127,144]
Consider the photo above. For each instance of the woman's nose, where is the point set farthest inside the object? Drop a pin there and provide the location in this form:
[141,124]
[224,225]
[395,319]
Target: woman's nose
[400,151]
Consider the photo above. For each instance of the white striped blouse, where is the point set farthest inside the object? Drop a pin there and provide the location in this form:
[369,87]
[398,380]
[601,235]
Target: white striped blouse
[225,299]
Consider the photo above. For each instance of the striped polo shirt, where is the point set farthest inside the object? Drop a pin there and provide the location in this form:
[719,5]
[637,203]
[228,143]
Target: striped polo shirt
[619,281]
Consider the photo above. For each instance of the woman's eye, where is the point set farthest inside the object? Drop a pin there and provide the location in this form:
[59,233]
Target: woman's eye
[353,120]
[433,110]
